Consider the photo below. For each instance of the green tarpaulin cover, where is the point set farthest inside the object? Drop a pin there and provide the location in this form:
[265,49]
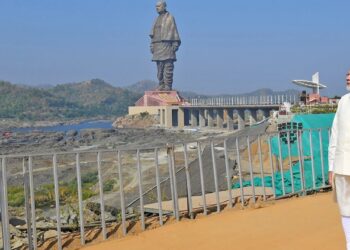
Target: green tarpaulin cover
[320,125]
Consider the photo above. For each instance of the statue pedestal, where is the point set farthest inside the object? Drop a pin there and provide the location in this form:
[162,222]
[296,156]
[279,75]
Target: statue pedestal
[167,105]
[160,98]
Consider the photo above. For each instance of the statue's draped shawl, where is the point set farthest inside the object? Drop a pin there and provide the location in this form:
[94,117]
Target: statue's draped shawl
[168,31]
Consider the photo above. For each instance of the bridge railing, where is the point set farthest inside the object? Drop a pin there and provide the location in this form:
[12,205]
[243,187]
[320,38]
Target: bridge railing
[118,190]
[244,100]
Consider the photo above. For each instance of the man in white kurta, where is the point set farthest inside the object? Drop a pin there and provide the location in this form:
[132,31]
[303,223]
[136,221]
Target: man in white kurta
[339,159]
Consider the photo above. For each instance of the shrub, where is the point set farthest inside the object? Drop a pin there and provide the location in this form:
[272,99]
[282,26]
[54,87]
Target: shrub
[144,114]
[108,185]
[68,191]
[16,196]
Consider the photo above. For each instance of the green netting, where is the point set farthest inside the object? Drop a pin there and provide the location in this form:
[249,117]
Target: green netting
[320,124]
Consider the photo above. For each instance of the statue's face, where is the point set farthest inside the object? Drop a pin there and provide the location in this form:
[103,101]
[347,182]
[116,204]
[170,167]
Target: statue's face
[348,81]
[160,7]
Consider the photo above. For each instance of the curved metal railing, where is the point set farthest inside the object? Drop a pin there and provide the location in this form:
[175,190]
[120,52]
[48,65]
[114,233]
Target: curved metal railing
[178,179]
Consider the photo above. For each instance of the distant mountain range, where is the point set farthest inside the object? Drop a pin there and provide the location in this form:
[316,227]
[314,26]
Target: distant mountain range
[267,91]
[88,99]
[142,86]
[145,85]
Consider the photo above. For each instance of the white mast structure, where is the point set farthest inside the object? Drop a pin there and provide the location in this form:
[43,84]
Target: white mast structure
[315,84]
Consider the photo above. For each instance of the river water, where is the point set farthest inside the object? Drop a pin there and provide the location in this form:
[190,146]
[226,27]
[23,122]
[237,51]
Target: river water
[104,124]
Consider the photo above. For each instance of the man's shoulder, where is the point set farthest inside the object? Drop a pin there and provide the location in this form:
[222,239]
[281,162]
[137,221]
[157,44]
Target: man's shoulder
[345,97]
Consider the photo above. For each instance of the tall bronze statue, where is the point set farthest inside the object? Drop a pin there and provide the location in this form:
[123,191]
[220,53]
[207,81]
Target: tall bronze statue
[165,41]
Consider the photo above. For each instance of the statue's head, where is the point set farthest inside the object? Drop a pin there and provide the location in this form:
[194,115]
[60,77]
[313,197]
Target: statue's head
[161,7]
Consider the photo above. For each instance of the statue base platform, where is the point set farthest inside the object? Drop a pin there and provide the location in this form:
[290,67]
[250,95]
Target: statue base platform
[160,98]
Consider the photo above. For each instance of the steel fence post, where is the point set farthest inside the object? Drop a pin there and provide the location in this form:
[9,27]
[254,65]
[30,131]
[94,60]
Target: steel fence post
[159,195]
[312,160]
[228,177]
[290,162]
[32,201]
[121,192]
[188,183]
[261,168]
[240,172]
[102,201]
[251,169]
[272,168]
[139,171]
[202,178]
[321,156]
[27,205]
[171,180]
[300,155]
[4,208]
[281,163]
[215,176]
[57,201]
[80,199]
[175,183]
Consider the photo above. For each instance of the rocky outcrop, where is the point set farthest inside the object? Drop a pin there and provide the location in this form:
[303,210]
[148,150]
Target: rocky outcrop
[143,120]
[96,208]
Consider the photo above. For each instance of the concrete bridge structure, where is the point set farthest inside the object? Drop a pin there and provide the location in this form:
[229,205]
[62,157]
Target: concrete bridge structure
[230,117]
[219,112]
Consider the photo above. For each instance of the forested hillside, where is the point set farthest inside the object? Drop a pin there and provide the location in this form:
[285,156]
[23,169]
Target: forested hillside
[88,99]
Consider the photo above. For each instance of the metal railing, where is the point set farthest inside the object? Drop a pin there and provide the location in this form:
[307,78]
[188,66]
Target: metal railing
[244,100]
[207,174]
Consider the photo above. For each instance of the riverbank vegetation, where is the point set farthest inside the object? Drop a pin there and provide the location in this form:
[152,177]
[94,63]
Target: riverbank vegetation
[314,109]
[68,191]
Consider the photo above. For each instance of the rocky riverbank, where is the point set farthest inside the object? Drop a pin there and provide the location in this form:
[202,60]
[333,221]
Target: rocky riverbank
[44,142]
[46,223]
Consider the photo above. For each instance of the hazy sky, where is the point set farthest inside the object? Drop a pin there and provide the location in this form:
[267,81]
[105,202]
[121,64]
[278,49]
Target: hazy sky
[228,46]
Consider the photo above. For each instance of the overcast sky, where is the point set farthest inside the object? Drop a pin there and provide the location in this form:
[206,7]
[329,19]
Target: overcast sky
[228,46]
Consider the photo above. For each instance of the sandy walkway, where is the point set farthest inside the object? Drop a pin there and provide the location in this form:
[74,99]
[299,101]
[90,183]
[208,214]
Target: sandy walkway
[299,223]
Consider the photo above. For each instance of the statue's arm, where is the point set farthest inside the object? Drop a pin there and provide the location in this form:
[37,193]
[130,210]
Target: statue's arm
[176,45]
[151,35]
